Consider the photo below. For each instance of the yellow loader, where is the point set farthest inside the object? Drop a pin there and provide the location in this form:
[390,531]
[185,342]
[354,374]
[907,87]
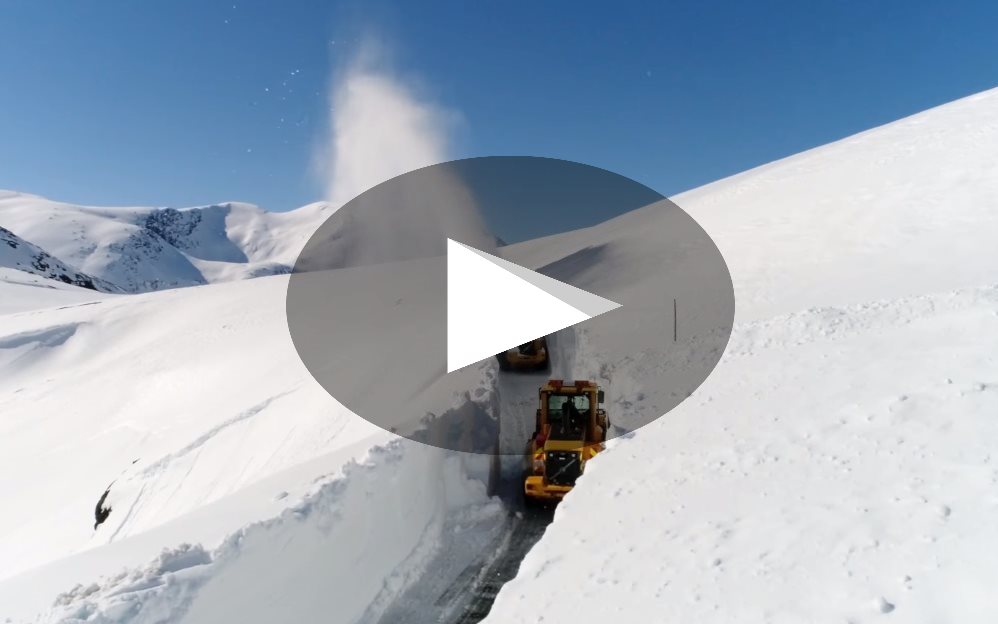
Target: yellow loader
[571,427]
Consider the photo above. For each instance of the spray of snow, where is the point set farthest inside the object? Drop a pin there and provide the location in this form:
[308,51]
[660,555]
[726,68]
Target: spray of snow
[379,128]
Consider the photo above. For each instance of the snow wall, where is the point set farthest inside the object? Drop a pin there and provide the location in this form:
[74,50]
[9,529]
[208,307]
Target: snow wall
[371,530]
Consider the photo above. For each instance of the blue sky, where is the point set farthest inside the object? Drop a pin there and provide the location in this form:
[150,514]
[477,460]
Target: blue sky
[185,102]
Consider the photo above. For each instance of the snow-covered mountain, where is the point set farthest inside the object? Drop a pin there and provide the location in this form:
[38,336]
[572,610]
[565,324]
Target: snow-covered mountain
[17,253]
[837,466]
[144,249]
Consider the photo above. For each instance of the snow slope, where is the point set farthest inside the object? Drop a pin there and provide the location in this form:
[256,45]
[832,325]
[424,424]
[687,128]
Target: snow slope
[838,464]
[905,209]
[143,249]
[171,395]
[21,291]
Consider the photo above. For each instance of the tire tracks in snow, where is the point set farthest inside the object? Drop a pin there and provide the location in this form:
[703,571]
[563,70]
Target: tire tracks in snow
[161,465]
[525,528]
[158,466]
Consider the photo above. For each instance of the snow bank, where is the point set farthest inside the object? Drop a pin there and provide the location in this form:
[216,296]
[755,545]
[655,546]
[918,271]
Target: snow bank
[371,529]
[837,466]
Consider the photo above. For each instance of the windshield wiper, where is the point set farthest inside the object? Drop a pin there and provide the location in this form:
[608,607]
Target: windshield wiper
[575,460]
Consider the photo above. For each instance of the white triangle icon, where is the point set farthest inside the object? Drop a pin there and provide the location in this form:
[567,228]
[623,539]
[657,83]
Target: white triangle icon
[494,305]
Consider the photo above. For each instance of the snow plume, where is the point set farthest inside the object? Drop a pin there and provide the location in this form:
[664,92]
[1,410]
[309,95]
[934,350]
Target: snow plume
[379,128]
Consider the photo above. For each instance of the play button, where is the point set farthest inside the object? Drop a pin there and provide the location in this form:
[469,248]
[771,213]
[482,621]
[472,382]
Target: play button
[398,302]
[537,305]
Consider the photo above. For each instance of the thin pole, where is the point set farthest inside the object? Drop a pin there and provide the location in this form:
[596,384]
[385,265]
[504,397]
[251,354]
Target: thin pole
[675,322]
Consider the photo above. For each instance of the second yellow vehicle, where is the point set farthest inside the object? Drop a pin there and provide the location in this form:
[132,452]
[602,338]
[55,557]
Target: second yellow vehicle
[530,356]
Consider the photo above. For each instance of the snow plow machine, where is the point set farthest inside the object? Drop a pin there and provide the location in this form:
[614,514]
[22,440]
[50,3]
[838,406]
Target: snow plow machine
[570,430]
[530,356]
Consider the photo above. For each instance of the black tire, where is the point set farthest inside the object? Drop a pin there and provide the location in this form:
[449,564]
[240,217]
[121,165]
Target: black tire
[531,504]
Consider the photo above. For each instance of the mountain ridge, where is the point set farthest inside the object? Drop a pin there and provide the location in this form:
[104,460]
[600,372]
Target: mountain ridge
[155,248]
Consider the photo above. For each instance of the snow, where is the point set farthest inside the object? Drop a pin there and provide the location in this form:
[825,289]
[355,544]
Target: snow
[837,466]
